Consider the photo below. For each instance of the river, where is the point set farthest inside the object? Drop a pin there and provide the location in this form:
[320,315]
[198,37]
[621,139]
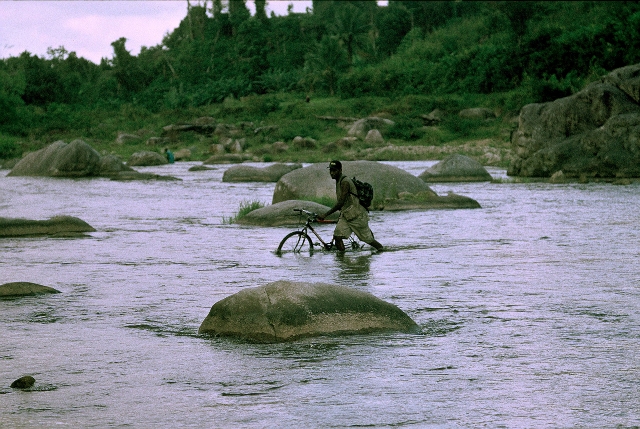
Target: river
[529,309]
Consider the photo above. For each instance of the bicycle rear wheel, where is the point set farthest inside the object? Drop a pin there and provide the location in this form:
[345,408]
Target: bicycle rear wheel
[295,242]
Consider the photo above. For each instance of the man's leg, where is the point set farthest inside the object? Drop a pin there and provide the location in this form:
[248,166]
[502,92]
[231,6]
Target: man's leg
[339,243]
[376,245]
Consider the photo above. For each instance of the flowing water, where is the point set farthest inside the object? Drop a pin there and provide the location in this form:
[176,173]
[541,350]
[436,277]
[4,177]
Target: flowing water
[529,309]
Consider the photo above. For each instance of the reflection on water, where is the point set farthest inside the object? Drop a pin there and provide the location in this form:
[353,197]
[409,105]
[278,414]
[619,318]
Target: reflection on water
[529,309]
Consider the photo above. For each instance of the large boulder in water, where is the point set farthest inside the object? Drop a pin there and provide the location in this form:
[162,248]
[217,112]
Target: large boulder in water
[247,173]
[58,226]
[284,310]
[456,168]
[314,182]
[283,213]
[593,133]
[24,289]
[59,159]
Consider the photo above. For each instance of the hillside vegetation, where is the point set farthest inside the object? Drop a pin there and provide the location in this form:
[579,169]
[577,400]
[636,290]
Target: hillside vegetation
[343,59]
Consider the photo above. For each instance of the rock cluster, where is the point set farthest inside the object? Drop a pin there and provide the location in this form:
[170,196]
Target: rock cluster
[75,159]
[593,133]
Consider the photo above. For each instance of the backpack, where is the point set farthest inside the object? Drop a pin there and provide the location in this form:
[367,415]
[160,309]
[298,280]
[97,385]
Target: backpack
[365,192]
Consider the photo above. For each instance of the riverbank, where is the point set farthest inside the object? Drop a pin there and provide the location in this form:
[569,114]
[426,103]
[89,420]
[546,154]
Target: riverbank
[265,128]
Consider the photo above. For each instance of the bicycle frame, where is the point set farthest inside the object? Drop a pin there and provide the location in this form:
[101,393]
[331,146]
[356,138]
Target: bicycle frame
[308,226]
[303,233]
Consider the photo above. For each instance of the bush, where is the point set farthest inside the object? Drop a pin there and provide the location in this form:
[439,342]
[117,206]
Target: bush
[246,207]
[461,127]
[289,131]
[406,128]
[260,105]
[8,149]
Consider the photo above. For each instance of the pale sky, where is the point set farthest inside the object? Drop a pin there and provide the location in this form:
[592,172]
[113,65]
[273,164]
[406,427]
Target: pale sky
[88,27]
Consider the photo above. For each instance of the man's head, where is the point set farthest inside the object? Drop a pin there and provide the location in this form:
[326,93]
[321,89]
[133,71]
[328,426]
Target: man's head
[335,169]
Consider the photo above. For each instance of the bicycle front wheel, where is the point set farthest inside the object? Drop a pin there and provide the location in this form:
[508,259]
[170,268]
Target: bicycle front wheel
[295,242]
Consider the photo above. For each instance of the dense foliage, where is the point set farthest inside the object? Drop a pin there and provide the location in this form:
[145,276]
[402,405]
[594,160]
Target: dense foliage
[350,49]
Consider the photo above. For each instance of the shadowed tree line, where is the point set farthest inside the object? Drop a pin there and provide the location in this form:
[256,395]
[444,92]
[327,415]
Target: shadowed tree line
[348,48]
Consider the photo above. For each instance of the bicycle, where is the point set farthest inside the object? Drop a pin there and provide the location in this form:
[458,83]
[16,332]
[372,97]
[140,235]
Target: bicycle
[300,241]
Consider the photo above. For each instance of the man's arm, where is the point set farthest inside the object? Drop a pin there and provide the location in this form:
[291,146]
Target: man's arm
[344,188]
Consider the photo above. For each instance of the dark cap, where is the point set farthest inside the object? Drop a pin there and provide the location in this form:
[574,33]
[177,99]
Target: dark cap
[335,165]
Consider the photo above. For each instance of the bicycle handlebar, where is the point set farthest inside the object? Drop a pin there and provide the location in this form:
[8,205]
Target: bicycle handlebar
[313,216]
[308,213]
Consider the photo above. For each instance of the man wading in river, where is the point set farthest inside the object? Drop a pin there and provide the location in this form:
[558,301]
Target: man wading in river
[353,217]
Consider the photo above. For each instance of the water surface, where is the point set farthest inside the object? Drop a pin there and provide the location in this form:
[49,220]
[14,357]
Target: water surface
[529,309]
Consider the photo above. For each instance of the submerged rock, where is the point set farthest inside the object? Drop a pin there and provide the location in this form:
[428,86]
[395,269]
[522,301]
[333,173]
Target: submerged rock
[23,382]
[456,168]
[283,213]
[24,289]
[284,310]
[147,158]
[247,173]
[227,158]
[430,202]
[200,168]
[57,225]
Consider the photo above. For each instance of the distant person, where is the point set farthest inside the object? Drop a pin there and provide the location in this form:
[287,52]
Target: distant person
[353,217]
[169,155]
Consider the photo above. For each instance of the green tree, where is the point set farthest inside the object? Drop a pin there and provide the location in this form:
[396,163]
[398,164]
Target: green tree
[351,28]
[12,87]
[325,64]
[42,83]
[238,13]
[130,76]
[393,24]
[252,48]
[261,13]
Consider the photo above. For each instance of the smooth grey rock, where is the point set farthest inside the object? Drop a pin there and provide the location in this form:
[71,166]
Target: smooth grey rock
[24,289]
[314,183]
[247,173]
[456,168]
[57,225]
[285,311]
[283,213]
[361,127]
[23,382]
[227,158]
[59,159]
[430,202]
[374,137]
[147,158]
[477,113]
